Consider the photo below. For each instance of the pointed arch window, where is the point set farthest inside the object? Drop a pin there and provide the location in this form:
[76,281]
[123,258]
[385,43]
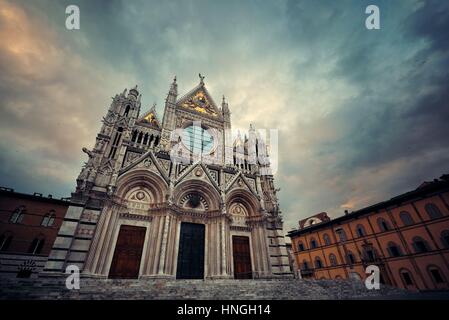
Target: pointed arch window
[17,215]
[433,211]
[406,218]
[341,234]
[300,246]
[128,107]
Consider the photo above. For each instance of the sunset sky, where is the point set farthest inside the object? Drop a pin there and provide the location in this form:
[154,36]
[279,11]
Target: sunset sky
[362,114]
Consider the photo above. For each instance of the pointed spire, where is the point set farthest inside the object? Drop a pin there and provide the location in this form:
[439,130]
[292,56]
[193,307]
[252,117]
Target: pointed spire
[173,93]
[153,108]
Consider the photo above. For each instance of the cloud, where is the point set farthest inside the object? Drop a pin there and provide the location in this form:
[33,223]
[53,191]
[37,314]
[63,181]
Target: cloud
[362,115]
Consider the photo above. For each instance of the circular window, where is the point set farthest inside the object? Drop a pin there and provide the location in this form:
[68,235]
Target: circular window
[197,139]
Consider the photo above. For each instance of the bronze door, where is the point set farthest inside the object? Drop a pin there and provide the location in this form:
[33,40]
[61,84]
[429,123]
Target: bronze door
[191,251]
[128,252]
[242,258]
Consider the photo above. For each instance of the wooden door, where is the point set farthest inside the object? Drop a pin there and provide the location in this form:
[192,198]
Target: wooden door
[242,258]
[191,251]
[128,252]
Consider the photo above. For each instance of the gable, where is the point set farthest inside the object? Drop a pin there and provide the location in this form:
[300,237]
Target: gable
[199,101]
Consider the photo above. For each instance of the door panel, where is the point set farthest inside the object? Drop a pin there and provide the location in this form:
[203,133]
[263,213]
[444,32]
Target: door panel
[242,258]
[128,252]
[191,251]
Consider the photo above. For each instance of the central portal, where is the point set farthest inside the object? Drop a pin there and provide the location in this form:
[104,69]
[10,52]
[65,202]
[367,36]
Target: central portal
[191,251]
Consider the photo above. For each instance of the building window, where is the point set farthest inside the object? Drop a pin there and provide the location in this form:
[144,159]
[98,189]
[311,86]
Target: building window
[406,218]
[350,257]
[313,244]
[369,254]
[318,263]
[49,219]
[435,274]
[36,246]
[305,265]
[326,239]
[445,238]
[333,259]
[17,215]
[394,250]
[5,241]
[341,234]
[383,225]
[420,245]
[433,211]
[360,230]
[300,246]
[127,110]
[406,277]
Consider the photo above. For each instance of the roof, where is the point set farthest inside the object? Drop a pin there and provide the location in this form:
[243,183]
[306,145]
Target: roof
[36,196]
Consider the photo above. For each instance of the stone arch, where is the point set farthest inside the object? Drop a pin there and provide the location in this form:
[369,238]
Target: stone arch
[147,180]
[245,199]
[208,196]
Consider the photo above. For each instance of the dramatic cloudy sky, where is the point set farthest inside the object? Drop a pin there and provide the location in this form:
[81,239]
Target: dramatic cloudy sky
[362,114]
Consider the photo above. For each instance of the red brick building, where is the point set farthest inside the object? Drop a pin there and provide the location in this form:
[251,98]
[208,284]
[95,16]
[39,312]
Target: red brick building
[29,225]
[407,237]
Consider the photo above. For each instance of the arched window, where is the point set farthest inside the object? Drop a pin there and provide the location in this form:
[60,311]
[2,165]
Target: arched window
[436,275]
[313,243]
[36,245]
[333,259]
[406,277]
[420,245]
[326,239]
[383,224]
[369,254]
[305,265]
[301,246]
[360,230]
[145,138]
[445,238]
[49,219]
[433,211]
[134,137]
[341,234]
[5,241]
[406,218]
[350,257]
[318,263]
[17,215]
[393,249]
[156,141]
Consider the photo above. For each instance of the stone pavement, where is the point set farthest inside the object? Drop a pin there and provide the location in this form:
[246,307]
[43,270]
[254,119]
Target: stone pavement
[276,289]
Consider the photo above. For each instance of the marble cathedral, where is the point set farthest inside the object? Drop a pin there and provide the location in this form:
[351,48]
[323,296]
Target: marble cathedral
[176,197]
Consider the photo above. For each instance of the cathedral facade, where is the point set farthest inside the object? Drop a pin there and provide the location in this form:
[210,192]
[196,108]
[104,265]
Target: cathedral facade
[177,197]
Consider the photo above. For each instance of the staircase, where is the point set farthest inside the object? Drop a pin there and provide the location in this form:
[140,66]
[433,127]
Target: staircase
[100,289]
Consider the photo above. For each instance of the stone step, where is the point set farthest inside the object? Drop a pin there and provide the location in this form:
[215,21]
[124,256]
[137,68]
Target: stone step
[54,288]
